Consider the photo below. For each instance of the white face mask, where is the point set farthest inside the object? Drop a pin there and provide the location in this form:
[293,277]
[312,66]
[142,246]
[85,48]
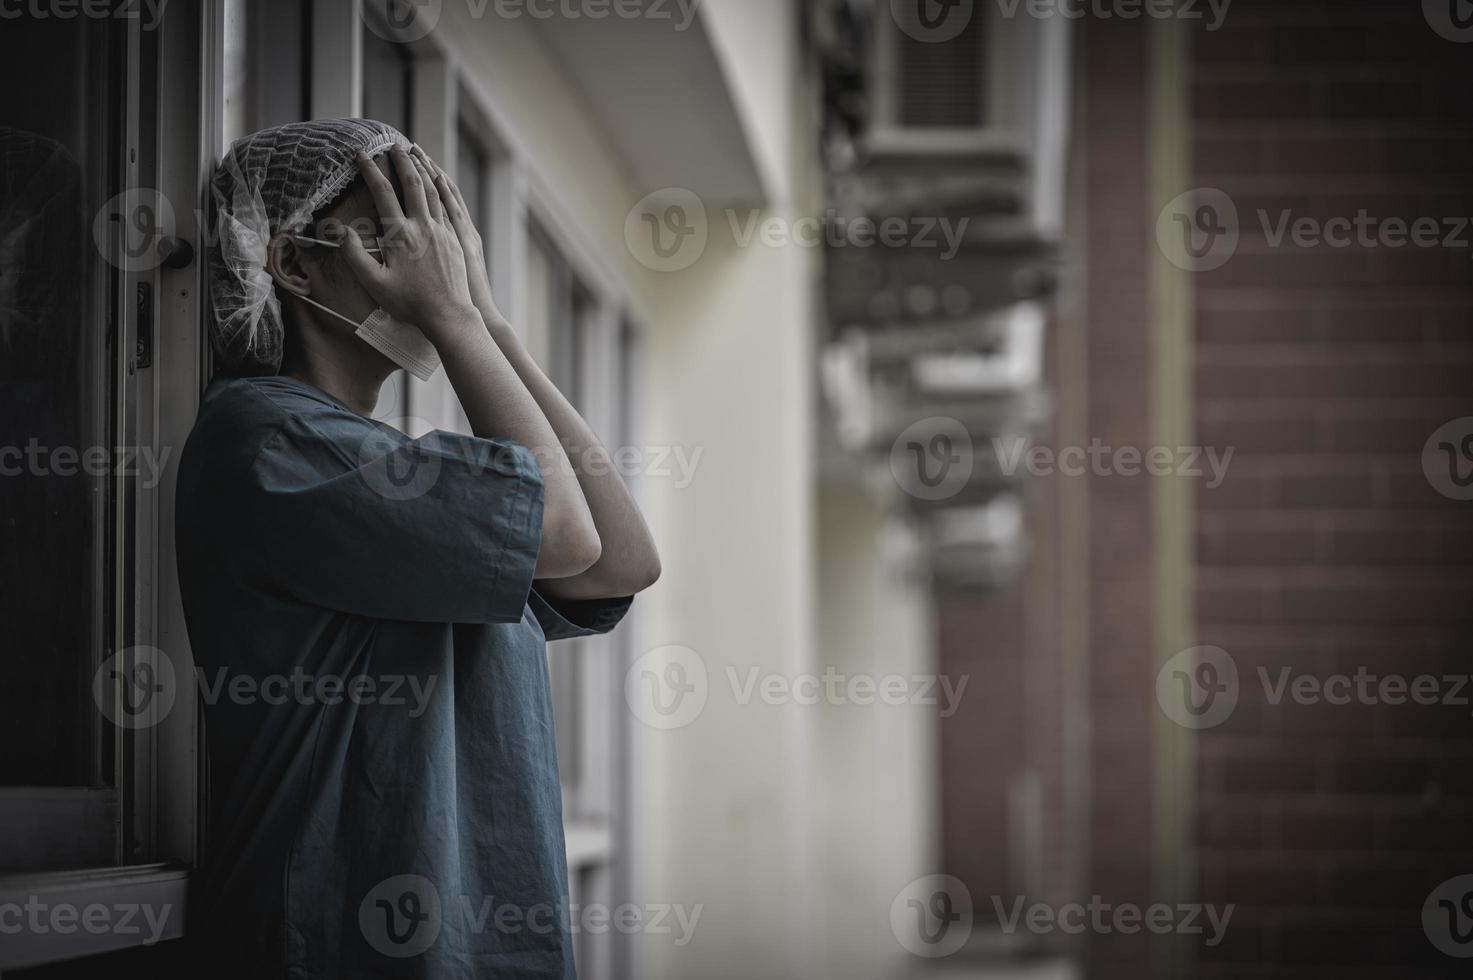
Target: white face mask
[403,343]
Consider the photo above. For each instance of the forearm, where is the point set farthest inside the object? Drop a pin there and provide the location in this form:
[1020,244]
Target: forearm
[499,405]
[629,562]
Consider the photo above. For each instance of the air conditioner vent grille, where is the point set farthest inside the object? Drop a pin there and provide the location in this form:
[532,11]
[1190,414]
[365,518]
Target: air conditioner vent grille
[942,84]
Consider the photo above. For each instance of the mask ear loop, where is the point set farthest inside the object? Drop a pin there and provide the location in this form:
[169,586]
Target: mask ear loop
[376,250]
[329,310]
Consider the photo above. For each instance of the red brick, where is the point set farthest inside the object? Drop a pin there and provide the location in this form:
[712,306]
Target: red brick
[1329,826]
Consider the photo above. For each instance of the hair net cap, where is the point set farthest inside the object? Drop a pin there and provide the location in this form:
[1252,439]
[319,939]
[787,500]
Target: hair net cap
[269,183]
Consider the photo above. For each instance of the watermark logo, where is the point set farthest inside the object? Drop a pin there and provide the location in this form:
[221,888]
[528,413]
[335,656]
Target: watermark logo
[933,459]
[397,468]
[411,692]
[668,230]
[1451,19]
[129,228]
[680,14]
[839,690]
[401,917]
[1098,459]
[667,687]
[933,21]
[932,916]
[1447,917]
[1214,12]
[1198,688]
[835,230]
[1198,231]
[135,688]
[1201,230]
[405,20]
[1104,918]
[1447,459]
[677,464]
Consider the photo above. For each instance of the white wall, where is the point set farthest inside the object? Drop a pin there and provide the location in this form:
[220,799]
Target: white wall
[731,372]
[876,777]
[724,797]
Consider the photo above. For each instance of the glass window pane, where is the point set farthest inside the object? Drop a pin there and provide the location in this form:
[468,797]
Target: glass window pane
[575,339]
[473,174]
[387,82]
[538,324]
[59,150]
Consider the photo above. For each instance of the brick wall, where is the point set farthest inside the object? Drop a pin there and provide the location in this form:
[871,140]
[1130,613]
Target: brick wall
[1327,549]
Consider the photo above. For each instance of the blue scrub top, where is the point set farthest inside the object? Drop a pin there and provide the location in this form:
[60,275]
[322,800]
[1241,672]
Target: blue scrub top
[370,649]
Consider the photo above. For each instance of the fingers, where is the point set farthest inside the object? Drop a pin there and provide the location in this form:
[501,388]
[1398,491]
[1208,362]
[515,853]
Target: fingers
[424,158]
[438,178]
[459,197]
[432,192]
[384,198]
[415,204]
[364,266]
[453,208]
[449,190]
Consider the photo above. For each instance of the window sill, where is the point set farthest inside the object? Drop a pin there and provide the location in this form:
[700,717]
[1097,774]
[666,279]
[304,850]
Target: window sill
[57,916]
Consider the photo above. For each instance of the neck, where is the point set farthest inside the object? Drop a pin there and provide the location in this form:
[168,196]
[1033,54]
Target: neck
[353,377]
[359,395]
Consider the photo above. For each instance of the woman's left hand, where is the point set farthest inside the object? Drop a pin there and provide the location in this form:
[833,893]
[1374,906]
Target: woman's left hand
[459,217]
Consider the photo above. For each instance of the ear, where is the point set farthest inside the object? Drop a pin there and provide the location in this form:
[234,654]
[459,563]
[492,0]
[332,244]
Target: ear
[284,262]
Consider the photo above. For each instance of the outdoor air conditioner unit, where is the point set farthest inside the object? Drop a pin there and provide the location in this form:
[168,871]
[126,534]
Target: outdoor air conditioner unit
[982,82]
[979,547]
[978,381]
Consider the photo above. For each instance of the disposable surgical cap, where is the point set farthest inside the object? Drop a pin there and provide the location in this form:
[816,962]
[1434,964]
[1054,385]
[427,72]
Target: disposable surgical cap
[270,183]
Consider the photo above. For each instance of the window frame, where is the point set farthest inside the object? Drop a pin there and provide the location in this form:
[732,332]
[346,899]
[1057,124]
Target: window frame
[176,69]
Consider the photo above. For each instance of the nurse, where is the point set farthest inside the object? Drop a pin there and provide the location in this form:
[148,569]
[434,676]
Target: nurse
[351,833]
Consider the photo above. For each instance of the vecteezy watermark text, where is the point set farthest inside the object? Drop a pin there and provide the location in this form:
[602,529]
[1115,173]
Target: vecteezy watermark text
[403,916]
[34,459]
[1201,688]
[668,688]
[940,21]
[1104,918]
[1200,230]
[1214,12]
[836,230]
[670,229]
[411,20]
[832,687]
[1098,459]
[38,917]
[150,12]
[303,688]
